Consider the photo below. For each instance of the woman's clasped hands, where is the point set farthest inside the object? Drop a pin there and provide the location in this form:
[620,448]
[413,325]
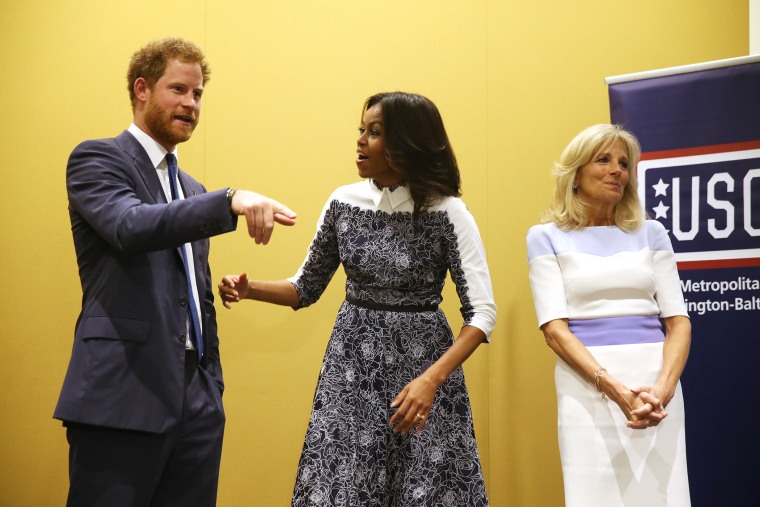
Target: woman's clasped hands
[643,407]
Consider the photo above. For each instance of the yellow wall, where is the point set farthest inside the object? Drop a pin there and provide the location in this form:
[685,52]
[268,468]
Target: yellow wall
[514,79]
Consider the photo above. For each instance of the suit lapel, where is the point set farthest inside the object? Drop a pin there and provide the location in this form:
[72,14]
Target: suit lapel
[143,165]
[147,172]
[190,187]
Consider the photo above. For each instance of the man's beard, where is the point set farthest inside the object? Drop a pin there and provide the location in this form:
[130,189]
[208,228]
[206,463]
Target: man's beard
[160,122]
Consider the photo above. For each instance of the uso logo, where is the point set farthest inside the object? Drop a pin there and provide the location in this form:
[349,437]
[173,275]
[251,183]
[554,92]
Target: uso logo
[708,201]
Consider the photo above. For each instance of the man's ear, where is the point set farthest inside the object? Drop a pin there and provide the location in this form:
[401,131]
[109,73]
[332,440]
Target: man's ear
[142,91]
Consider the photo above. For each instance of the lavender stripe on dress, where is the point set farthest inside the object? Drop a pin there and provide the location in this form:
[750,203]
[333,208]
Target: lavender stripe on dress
[618,330]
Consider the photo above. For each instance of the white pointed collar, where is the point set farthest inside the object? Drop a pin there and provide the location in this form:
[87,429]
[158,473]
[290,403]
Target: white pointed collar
[397,194]
[155,151]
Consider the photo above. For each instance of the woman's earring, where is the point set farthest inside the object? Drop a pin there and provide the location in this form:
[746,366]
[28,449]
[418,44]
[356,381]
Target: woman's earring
[575,187]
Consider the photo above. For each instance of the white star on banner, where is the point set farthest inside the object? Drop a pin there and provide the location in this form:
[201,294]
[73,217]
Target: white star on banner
[661,188]
[661,211]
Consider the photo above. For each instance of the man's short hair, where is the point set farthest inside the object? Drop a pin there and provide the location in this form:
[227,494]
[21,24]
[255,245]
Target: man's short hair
[150,62]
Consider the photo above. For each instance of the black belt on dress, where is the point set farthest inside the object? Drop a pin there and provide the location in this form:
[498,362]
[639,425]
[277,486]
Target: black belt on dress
[391,308]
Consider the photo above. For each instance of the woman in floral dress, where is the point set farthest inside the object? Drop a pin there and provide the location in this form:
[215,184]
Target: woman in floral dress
[391,423]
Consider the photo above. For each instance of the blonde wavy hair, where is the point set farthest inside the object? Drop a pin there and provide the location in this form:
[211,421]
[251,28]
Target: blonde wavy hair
[568,210]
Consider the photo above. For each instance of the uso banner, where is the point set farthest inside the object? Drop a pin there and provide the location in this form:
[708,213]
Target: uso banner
[699,175]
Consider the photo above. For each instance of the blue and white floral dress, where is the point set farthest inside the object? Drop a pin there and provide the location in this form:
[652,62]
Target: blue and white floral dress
[387,332]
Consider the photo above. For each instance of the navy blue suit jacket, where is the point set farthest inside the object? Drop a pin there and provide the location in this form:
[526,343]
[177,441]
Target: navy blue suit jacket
[127,364]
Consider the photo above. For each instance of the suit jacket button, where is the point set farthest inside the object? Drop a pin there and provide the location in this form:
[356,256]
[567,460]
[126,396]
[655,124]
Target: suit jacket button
[183,301]
[182,338]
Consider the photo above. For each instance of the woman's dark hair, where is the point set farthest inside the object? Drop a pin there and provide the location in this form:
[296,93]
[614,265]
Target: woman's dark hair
[416,145]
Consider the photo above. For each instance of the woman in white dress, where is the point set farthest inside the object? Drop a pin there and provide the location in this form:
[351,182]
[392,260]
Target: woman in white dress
[609,303]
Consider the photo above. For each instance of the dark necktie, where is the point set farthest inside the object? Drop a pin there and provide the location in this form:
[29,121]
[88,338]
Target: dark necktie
[195,323]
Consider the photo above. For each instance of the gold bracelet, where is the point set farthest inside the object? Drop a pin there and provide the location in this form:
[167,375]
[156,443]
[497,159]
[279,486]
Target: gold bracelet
[597,376]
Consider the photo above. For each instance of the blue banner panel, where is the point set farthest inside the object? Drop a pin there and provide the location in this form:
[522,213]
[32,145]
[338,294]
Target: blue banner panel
[699,176]
[710,203]
[716,106]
